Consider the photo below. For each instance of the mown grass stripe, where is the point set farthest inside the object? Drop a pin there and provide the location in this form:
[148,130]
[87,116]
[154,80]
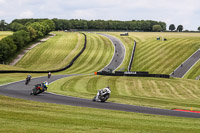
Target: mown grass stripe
[50,54]
[158,63]
[97,55]
[88,57]
[159,56]
[78,47]
[82,62]
[157,59]
[173,90]
[189,93]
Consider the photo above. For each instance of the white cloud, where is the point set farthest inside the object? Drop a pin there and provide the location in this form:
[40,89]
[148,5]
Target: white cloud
[2,1]
[184,12]
[2,13]
[87,13]
[27,14]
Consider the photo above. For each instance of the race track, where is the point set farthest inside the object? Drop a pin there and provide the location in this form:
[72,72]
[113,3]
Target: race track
[187,65]
[20,90]
[119,53]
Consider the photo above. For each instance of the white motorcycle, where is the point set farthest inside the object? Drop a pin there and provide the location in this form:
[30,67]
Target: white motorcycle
[102,95]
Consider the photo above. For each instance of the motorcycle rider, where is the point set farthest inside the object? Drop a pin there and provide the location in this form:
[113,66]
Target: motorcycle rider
[41,87]
[103,92]
[28,77]
[49,74]
[45,85]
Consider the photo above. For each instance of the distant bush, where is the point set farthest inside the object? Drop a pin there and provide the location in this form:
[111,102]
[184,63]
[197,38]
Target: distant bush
[157,28]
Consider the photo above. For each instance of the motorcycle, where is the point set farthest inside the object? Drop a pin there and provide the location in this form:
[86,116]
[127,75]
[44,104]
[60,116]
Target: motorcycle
[101,98]
[37,90]
[49,75]
[27,81]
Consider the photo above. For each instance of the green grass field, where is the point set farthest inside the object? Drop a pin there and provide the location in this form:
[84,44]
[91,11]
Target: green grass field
[97,55]
[58,51]
[5,33]
[151,92]
[21,116]
[13,77]
[160,57]
[194,71]
[55,53]
[151,55]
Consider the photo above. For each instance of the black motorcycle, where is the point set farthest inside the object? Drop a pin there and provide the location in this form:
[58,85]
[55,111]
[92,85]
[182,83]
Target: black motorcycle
[49,75]
[28,79]
[37,89]
[101,97]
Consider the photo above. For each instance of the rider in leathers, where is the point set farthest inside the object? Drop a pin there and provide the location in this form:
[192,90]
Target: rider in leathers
[102,92]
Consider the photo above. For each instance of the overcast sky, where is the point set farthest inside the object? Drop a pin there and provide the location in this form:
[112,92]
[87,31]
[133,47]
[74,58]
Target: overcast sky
[185,12]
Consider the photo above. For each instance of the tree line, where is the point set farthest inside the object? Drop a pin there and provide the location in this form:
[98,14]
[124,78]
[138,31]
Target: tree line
[172,27]
[23,35]
[134,25]
[179,28]
[64,24]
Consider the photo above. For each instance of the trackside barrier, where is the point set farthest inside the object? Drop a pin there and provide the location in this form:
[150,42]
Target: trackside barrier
[132,56]
[56,70]
[134,74]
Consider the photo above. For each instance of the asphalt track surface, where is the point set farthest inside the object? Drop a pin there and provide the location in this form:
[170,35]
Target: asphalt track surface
[119,55]
[22,91]
[187,65]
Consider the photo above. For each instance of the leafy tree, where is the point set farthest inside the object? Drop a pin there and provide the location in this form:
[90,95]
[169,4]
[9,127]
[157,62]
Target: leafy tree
[21,39]
[16,26]
[163,25]
[38,28]
[180,28]
[4,51]
[32,32]
[199,28]
[157,28]
[50,25]
[9,43]
[172,27]
[3,25]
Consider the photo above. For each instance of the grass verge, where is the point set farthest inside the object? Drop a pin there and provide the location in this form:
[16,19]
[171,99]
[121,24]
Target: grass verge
[13,77]
[20,116]
[194,72]
[5,33]
[151,92]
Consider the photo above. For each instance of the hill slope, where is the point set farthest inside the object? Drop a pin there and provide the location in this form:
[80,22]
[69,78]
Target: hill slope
[157,56]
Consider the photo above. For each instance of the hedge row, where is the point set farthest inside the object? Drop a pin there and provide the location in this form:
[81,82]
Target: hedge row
[23,36]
